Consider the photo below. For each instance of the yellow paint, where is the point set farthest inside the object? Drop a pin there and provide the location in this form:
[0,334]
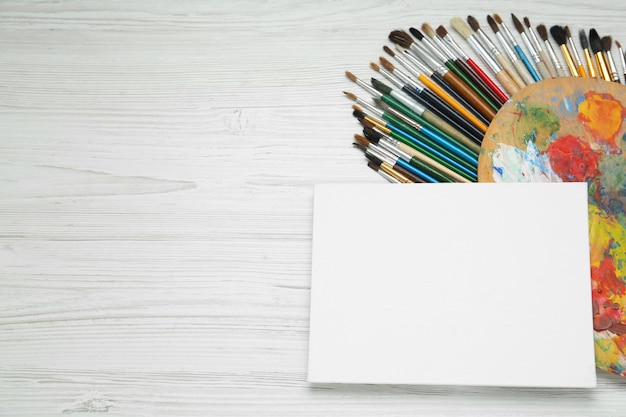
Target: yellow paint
[601,115]
[604,229]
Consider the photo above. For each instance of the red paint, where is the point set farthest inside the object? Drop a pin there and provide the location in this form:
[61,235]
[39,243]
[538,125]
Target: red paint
[573,159]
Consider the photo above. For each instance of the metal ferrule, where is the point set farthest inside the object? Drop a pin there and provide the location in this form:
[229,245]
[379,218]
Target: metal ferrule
[408,102]
[432,62]
[423,68]
[508,35]
[390,77]
[572,47]
[444,48]
[555,61]
[459,51]
[370,107]
[394,150]
[508,50]
[381,154]
[389,140]
[374,92]
[402,76]
[495,67]
[612,67]
[407,65]
[535,40]
[388,177]
[406,119]
[432,48]
[487,44]
[533,52]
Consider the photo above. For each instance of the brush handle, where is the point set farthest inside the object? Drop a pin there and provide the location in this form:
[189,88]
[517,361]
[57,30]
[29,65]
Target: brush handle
[470,95]
[501,97]
[452,102]
[548,64]
[437,78]
[507,82]
[443,111]
[602,68]
[590,65]
[508,67]
[581,71]
[527,64]
[569,61]
[543,70]
[523,72]
[485,84]
[471,85]
[415,154]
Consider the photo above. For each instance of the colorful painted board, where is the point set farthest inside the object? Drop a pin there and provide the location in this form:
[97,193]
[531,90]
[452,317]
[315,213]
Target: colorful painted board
[572,129]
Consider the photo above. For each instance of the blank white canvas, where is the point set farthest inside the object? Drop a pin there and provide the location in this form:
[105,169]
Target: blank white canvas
[461,284]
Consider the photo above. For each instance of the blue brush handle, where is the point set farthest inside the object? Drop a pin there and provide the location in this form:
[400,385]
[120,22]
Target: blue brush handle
[456,148]
[526,62]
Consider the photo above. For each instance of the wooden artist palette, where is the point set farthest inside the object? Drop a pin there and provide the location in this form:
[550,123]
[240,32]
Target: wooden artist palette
[572,129]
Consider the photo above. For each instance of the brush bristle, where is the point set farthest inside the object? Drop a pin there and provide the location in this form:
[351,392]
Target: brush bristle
[518,25]
[389,50]
[498,18]
[460,26]
[473,23]
[351,76]
[350,95]
[607,41]
[558,33]
[428,30]
[583,39]
[568,34]
[594,41]
[527,22]
[441,31]
[543,32]
[361,140]
[388,65]
[358,113]
[619,45]
[493,24]
[375,66]
[371,134]
[401,38]
[385,89]
[416,33]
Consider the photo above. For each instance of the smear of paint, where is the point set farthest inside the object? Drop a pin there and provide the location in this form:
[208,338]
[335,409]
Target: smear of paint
[573,159]
[511,164]
[601,115]
[536,123]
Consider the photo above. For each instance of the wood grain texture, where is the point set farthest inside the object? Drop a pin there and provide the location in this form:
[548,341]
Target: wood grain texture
[156,169]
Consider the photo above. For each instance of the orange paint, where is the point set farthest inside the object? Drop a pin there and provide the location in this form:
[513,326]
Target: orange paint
[601,115]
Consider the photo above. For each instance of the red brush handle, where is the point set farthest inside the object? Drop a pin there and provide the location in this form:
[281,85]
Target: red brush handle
[487,80]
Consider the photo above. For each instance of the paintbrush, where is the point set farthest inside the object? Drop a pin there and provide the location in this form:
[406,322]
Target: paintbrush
[449,62]
[432,103]
[493,49]
[521,75]
[383,168]
[558,33]
[376,136]
[596,47]
[541,66]
[621,58]
[543,34]
[511,39]
[405,40]
[482,80]
[411,137]
[382,173]
[447,94]
[402,159]
[584,42]
[539,48]
[502,76]
[386,161]
[574,51]
[606,47]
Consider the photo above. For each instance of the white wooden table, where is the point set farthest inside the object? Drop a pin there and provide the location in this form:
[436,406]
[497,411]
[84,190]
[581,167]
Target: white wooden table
[156,169]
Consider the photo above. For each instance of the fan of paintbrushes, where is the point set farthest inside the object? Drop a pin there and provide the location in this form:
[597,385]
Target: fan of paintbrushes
[432,114]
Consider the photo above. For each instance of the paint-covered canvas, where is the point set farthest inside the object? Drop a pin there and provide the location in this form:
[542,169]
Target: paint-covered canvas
[572,129]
